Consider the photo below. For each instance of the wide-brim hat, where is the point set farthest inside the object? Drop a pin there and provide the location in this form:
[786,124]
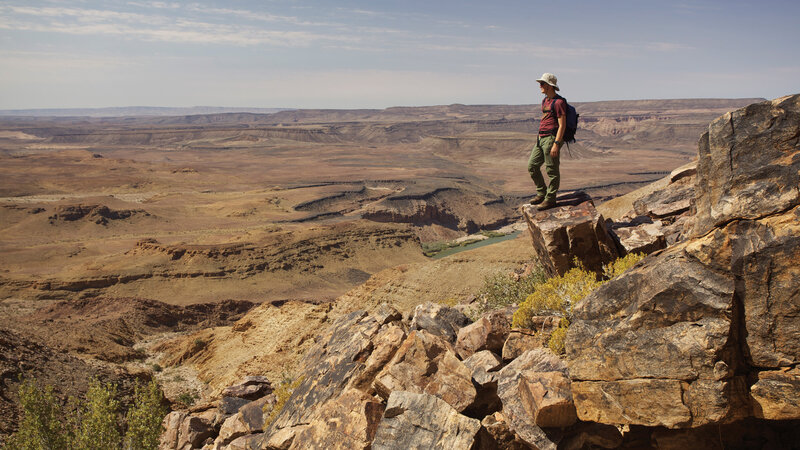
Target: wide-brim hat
[550,79]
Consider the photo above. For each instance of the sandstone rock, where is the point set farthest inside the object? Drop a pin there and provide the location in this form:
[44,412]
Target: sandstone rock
[230,405]
[327,368]
[519,341]
[567,232]
[283,438]
[748,165]
[249,442]
[672,200]
[512,385]
[776,395]
[346,422]
[639,237]
[658,331]
[439,320]
[385,345]
[487,333]
[484,360]
[250,388]
[386,313]
[420,421]
[548,399]
[641,402]
[764,256]
[171,424]
[184,432]
[425,363]
[233,427]
[484,376]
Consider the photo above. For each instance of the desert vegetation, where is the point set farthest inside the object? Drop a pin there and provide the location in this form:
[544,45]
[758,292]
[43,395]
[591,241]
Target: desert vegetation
[93,422]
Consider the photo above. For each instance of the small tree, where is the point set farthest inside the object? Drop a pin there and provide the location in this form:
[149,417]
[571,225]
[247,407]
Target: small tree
[145,417]
[99,421]
[40,426]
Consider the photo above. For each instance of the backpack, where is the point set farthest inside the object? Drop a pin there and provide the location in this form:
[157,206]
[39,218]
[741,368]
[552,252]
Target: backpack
[572,121]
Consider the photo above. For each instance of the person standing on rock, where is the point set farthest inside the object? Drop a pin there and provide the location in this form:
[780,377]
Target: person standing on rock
[548,143]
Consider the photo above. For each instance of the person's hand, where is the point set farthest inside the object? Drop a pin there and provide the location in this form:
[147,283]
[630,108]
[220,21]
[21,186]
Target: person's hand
[554,150]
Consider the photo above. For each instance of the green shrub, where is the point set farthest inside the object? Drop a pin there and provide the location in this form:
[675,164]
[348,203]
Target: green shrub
[93,423]
[40,425]
[502,289]
[99,419]
[144,418]
[282,393]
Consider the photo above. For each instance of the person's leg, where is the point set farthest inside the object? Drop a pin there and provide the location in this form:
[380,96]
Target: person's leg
[551,167]
[535,162]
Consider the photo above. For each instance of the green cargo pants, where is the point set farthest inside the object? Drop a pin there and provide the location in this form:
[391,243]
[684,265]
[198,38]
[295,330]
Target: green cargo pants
[541,155]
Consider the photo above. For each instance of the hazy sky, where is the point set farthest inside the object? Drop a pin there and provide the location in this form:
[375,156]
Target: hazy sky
[350,54]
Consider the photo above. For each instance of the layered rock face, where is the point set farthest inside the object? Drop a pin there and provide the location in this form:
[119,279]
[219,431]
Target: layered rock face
[706,331]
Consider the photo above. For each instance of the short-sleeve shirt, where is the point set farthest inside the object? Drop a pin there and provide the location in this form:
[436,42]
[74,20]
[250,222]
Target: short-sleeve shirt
[552,108]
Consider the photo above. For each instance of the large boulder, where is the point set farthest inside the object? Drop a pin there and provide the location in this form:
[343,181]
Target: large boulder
[521,387]
[748,165]
[678,340]
[420,421]
[572,230]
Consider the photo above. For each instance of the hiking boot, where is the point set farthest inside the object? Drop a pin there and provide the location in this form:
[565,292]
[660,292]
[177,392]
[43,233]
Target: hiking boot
[547,204]
[538,199]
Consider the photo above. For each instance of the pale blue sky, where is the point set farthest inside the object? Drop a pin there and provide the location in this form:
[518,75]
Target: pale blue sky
[376,54]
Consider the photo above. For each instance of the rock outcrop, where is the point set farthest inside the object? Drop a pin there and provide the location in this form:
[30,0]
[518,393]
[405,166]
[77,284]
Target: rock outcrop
[573,230]
[705,332]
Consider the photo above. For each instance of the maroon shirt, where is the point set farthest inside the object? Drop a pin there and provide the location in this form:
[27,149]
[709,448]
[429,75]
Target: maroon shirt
[549,123]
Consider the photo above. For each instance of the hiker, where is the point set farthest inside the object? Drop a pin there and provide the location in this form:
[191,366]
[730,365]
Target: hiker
[548,143]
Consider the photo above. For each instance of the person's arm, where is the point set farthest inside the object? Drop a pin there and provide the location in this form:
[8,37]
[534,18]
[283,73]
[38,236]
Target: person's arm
[562,127]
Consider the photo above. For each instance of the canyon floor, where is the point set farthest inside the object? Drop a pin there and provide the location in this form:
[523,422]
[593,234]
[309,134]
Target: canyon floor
[115,230]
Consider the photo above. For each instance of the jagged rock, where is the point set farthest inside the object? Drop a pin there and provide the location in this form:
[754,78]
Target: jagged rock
[184,432]
[426,363]
[420,421]
[591,435]
[548,398]
[484,360]
[672,200]
[764,255]
[346,422]
[748,165]
[775,395]
[249,442]
[233,427]
[171,424]
[564,233]
[639,236]
[484,376]
[521,340]
[385,345]
[333,362]
[513,388]
[487,333]
[438,319]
